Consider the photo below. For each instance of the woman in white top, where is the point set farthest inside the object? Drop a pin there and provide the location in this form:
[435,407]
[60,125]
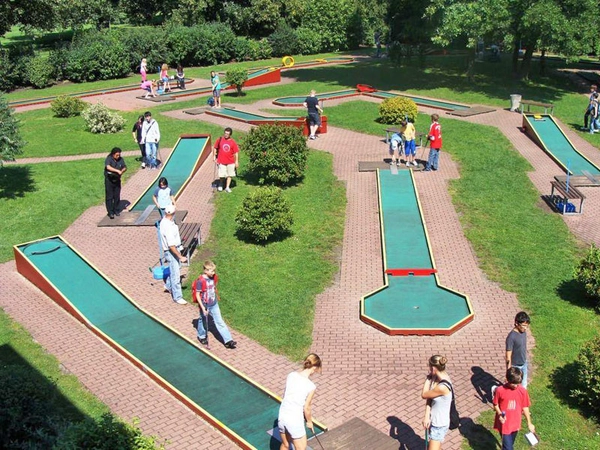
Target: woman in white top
[296,405]
[436,390]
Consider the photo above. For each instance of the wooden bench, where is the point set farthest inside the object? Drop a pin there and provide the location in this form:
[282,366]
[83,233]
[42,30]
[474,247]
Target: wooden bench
[562,197]
[190,238]
[530,103]
[392,130]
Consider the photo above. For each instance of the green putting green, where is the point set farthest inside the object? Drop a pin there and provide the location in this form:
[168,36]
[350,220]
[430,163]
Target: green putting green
[555,143]
[177,169]
[411,304]
[243,407]
[299,100]
[246,116]
[420,100]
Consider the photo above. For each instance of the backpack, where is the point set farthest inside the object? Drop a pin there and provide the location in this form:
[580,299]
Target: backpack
[202,287]
[210,101]
[454,416]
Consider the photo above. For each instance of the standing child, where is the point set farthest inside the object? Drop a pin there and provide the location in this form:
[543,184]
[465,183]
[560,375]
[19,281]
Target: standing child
[216,88]
[137,138]
[207,297]
[163,196]
[164,76]
[510,402]
[410,147]
[588,109]
[516,345]
[395,148]
[180,77]
[435,143]
[143,69]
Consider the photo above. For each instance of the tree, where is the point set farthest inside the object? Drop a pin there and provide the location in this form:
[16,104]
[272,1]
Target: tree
[38,14]
[11,143]
[330,19]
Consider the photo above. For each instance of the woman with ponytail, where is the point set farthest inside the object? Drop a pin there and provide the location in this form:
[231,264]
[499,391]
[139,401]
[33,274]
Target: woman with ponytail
[437,390]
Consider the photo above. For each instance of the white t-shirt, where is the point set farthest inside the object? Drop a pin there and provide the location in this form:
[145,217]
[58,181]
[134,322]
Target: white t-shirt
[169,234]
[163,196]
[297,389]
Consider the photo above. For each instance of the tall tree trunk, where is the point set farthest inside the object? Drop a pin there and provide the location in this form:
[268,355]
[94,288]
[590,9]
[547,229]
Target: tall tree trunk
[471,64]
[543,63]
[515,57]
[526,64]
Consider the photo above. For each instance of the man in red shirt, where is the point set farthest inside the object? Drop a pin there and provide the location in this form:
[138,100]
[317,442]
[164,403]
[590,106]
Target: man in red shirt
[435,143]
[225,154]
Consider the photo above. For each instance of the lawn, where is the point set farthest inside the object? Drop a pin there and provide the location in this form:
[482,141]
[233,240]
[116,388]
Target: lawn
[268,291]
[527,250]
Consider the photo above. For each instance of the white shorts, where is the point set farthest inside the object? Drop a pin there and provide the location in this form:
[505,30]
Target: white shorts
[294,427]
[226,170]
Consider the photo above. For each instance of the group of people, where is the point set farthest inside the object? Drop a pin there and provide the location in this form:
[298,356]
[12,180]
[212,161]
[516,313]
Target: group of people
[146,134]
[152,86]
[591,120]
[404,143]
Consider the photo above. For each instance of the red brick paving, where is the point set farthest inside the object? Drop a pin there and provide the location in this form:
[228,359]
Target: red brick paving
[366,374]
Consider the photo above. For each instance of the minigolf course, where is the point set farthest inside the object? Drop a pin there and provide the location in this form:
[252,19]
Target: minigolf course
[237,406]
[544,130]
[412,301]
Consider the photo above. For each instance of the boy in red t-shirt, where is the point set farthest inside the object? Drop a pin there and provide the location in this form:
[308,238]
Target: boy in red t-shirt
[510,402]
[435,143]
[225,154]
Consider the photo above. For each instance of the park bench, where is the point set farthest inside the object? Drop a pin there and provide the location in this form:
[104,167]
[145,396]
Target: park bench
[560,196]
[190,238]
[530,103]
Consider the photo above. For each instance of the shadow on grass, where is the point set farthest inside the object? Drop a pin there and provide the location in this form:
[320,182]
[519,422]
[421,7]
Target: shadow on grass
[478,436]
[405,435]
[574,292]
[482,382]
[15,181]
[561,380]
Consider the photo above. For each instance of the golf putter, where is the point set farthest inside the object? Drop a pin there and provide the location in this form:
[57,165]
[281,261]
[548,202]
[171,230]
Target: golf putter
[317,438]
[206,329]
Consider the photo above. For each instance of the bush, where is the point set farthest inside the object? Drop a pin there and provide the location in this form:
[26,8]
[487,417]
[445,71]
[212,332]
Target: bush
[588,273]
[108,433]
[14,62]
[145,42]
[264,215]
[214,43]
[394,110]
[11,143]
[65,106]
[283,41]
[58,59]
[100,119]
[277,154]
[308,41]
[237,77]
[40,72]
[586,379]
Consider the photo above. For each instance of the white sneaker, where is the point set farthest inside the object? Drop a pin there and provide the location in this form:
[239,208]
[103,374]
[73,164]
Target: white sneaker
[143,165]
[219,189]
[180,301]
[416,164]
[407,164]
[227,190]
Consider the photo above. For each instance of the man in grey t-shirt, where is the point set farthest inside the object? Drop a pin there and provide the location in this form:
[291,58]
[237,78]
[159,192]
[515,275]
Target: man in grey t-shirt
[516,345]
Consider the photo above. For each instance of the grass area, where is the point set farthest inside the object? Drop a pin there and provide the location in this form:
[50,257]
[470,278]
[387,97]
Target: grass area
[268,291]
[528,251]
[39,200]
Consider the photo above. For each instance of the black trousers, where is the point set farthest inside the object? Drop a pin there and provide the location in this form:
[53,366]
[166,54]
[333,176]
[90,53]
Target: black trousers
[113,196]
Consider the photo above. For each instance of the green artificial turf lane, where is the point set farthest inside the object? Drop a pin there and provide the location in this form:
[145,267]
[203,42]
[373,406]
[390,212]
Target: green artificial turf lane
[416,302]
[246,116]
[556,143]
[421,100]
[405,242]
[299,100]
[177,169]
[234,401]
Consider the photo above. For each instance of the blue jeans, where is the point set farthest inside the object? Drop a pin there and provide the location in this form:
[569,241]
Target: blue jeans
[174,281]
[432,160]
[215,312]
[151,153]
[524,370]
[508,440]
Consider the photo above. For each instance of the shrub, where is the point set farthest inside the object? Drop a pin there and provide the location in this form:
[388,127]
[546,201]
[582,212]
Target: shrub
[58,59]
[243,49]
[277,154]
[145,42]
[107,433]
[40,72]
[395,109]
[14,62]
[283,41]
[263,49]
[237,77]
[65,106]
[264,215]
[308,41]
[214,43]
[11,143]
[586,379]
[588,273]
[100,119]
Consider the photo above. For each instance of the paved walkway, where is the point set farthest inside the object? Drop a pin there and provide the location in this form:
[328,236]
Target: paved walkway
[366,373]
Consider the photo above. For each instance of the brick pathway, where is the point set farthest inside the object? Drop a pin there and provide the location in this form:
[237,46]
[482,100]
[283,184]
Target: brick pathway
[366,373]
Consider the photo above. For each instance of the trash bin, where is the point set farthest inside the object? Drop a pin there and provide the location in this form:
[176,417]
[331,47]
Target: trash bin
[515,102]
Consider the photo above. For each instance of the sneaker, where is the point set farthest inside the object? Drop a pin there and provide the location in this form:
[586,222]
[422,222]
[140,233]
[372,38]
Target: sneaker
[111,216]
[426,170]
[117,214]
[416,164]
[312,138]
[219,189]
[203,341]
[231,344]
[165,288]
[143,165]
[227,190]
[407,163]
[180,301]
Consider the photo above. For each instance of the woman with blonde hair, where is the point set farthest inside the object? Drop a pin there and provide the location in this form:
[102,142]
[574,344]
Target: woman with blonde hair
[295,408]
[437,390]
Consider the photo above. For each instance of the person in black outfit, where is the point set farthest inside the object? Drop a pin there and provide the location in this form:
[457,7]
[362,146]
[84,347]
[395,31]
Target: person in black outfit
[137,138]
[314,113]
[114,168]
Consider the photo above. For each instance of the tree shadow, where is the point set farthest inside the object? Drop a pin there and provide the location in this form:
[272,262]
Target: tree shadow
[478,436]
[574,292]
[483,382]
[561,383]
[405,435]
[247,238]
[16,181]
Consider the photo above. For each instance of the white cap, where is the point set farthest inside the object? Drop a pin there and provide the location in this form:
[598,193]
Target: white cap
[170,209]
